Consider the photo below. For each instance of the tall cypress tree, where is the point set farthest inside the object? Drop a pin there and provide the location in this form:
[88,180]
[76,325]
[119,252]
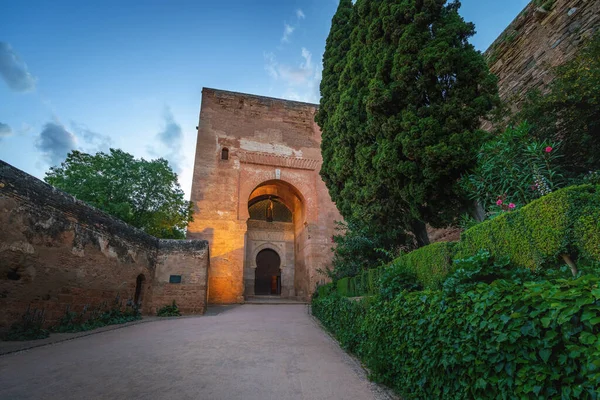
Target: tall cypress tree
[336,48]
[405,125]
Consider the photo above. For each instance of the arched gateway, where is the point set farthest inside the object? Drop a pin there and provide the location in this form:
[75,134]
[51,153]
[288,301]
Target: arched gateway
[264,203]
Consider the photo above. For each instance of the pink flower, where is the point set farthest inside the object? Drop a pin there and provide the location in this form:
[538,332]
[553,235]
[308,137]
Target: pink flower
[511,205]
[548,149]
[499,202]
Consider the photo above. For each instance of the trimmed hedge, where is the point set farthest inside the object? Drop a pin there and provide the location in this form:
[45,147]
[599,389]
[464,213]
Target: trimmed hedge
[564,222]
[495,341]
[430,263]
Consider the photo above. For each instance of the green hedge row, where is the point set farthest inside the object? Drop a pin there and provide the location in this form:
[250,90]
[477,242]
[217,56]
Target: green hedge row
[502,340]
[364,284]
[564,222]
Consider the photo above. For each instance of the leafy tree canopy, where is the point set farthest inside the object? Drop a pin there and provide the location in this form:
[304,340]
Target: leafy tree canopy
[402,96]
[142,193]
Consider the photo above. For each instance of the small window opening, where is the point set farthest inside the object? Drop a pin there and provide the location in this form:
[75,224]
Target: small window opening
[225,154]
[175,279]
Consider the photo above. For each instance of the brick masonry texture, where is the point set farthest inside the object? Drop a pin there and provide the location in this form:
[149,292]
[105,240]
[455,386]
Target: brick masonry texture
[274,150]
[68,254]
[538,40]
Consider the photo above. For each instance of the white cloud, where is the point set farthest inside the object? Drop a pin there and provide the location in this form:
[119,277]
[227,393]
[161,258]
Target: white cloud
[296,82]
[287,32]
[300,14]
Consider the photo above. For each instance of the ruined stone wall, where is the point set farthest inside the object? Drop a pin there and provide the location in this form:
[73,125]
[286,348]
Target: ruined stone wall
[57,252]
[538,40]
[267,140]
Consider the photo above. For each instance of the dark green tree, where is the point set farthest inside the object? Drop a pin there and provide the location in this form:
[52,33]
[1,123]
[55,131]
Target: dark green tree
[356,249]
[145,194]
[405,126]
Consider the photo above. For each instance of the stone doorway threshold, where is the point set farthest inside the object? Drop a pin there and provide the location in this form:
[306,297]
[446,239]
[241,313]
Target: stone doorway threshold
[272,300]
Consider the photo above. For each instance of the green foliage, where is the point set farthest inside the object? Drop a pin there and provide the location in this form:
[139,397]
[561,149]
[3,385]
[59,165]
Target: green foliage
[356,249]
[564,222]
[430,263]
[169,310]
[402,96]
[396,279]
[570,110]
[498,340]
[342,317]
[324,290]
[515,167]
[31,327]
[97,317]
[546,5]
[142,193]
[482,267]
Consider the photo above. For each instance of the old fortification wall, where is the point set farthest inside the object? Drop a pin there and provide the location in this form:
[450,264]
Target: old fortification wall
[57,252]
[273,148]
[540,38]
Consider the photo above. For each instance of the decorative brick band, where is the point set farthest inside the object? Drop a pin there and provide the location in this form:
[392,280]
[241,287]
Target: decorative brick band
[277,160]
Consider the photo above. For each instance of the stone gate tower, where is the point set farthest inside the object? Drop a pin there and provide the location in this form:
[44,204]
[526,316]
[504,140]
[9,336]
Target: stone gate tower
[258,196]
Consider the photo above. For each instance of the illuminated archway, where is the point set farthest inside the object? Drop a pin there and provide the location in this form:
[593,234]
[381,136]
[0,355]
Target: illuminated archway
[276,216]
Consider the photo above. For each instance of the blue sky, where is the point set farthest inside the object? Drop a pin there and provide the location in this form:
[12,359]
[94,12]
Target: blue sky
[90,75]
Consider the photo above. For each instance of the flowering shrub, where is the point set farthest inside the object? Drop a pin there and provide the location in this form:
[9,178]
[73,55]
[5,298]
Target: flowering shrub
[514,169]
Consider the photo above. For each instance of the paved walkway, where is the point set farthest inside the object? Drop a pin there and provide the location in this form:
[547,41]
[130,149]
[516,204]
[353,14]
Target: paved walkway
[245,352]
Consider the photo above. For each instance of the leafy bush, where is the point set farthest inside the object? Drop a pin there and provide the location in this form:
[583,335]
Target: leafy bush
[495,340]
[482,267]
[430,263]
[516,168]
[396,279]
[356,249]
[169,310]
[31,327]
[562,223]
[98,317]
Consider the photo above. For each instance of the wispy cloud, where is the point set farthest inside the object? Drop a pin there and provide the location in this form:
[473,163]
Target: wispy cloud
[55,142]
[91,142]
[170,138]
[300,14]
[14,71]
[287,32]
[5,130]
[298,82]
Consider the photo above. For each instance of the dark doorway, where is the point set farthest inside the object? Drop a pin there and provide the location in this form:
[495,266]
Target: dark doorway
[267,278]
[139,290]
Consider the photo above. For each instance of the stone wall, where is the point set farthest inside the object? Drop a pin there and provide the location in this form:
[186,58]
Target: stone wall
[273,147]
[538,40]
[57,252]
[188,259]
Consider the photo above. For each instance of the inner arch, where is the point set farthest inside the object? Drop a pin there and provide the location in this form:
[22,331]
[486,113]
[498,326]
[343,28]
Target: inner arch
[267,280]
